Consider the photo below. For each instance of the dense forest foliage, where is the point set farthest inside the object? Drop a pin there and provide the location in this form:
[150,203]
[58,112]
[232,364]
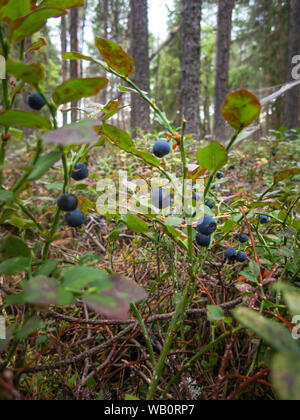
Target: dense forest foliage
[149,200]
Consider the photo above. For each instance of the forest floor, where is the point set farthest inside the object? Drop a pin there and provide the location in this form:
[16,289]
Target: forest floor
[79,355]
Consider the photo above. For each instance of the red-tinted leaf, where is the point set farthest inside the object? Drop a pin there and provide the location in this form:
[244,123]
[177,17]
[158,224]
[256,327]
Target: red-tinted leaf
[14,9]
[83,132]
[75,89]
[36,45]
[241,108]
[115,302]
[115,57]
[288,173]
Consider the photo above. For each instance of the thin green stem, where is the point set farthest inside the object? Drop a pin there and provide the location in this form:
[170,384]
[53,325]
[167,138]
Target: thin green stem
[145,332]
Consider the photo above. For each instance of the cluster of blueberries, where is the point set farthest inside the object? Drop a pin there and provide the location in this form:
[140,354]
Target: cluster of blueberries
[69,202]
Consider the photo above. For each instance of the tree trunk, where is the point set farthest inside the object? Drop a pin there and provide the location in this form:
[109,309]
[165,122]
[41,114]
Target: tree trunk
[140,111]
[64,63]
[225,8]
[292,108]
[190,83]
[74,64]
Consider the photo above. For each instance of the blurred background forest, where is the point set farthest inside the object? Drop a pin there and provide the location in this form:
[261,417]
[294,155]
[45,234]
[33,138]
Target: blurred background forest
[188,63]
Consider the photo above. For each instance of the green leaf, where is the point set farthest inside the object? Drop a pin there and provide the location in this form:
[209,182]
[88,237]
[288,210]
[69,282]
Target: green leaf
[129,397]
[124,89]
[23,119]
[73,55]
[43,164]
[136,224]
[75,89]
[14,265]
[115,57]
[80,277]
[7,196]
[29,73]
[212,157]
[288,173]
[30,327]
[82,132]
[118,137]
[64,4]
[292,299]
[273,333]
[214,313]
[13,9]
[46,269]
[286,376]
[241,108]
[27,25]
[15,247]
[148,158]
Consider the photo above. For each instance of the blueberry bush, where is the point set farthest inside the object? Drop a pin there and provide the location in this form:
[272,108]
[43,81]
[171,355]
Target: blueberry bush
[193,310]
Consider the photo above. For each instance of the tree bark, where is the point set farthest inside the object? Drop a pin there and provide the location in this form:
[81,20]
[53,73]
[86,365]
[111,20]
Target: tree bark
[64,63]
[74,64]
[292,103]
[140,111]
[225,8]
[190,83]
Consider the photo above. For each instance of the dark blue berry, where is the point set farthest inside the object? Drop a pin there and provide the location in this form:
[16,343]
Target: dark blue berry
[231,254]
[207,225]
[243,238]
[203,240]
[35,101]
[67,202]
[80,172]
[161,148]
[75,218]
[232,168]
[241,257]
[210,204]
[264,219]
[220,175]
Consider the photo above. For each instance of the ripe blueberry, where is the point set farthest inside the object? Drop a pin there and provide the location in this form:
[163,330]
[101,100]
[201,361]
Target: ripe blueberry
[67,202]
[161,148]
[207,225]
[160,198]
[210,204]
[203,240]
[80,172]
[232,168]
[241,257]
[231,254]
[220,175]
[35,101]
[75,218]
[264,219]
[243,238]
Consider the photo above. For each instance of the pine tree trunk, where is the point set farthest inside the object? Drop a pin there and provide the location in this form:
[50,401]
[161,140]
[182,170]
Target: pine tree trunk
[292,103]
[64,63]
[225,8]
[74,65]
[140,111]
[190,83]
